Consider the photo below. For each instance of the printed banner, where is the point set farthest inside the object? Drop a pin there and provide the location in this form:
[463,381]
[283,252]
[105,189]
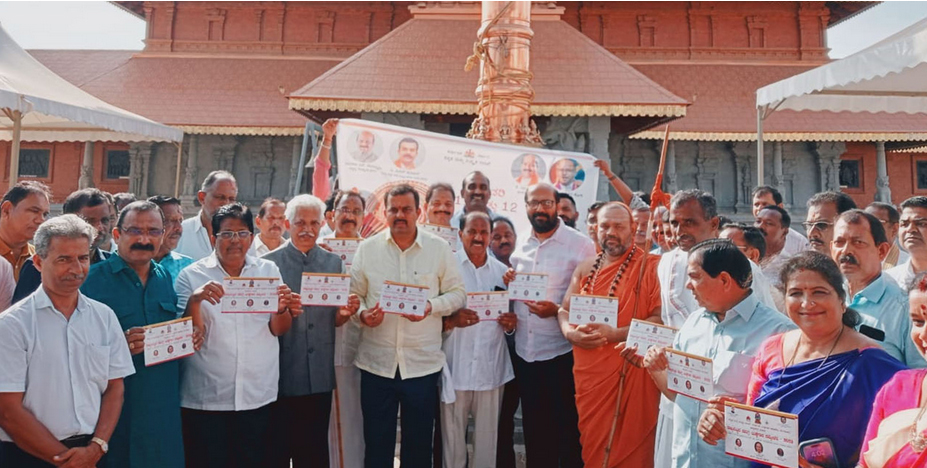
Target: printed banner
[373,157]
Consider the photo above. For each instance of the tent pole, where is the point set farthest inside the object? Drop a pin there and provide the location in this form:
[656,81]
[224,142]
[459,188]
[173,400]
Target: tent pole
[759,147]
[17,118]
[177,176]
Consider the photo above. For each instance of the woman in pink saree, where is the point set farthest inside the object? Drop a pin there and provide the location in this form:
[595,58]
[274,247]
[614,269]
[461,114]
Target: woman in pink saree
[897,432]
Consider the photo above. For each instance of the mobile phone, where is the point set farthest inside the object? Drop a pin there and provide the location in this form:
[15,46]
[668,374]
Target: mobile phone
[871,332]
[819,452]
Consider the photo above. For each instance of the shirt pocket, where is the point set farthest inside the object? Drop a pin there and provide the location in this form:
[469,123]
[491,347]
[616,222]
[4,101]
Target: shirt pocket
[169,310]
[732,372]
[97,361]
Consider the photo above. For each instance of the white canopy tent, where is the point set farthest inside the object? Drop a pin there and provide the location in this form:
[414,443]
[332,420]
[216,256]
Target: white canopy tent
[889,76]
[38,105]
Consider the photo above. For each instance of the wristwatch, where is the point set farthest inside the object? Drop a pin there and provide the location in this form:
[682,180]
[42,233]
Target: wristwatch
[102,443]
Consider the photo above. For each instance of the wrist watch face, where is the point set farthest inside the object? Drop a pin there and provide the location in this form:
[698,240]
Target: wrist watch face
[102,443]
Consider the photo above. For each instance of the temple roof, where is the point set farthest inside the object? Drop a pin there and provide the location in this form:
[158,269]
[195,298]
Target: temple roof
[419,68]
[200,95]
[723,108]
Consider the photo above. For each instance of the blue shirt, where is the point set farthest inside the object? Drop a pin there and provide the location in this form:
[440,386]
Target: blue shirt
[148,433]
[883,305]
[732,345]
[173,262]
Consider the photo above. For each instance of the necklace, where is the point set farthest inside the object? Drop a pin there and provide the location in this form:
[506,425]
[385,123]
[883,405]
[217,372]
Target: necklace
[593,275]
[918,441]
[832,348]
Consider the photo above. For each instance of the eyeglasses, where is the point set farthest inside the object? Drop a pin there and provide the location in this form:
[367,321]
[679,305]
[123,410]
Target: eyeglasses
[819,225]
[349,211]
[134,232]
[543,203]
[229,235]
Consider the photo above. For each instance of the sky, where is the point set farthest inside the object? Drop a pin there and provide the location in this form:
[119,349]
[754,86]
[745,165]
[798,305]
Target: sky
[102,25]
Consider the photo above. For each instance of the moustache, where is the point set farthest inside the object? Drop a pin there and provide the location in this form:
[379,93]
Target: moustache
[145,247]
[848,259]
[73,277]
[444,212]
[348,221]
[505,244]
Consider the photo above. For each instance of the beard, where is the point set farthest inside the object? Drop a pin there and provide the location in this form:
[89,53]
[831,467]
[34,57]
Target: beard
[549,223]
[569,222]
[616,249]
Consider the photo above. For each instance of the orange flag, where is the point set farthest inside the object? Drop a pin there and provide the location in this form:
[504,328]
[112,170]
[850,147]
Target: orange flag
[657,196]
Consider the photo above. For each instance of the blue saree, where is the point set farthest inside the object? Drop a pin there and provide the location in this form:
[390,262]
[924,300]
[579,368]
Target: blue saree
[832,400]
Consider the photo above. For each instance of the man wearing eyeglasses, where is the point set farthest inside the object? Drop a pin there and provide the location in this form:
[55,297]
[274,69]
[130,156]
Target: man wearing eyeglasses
[219,189]
[912,231]
[823,209]
[889,216]
[92,206]
[543,357]
[141,293]
[400,356]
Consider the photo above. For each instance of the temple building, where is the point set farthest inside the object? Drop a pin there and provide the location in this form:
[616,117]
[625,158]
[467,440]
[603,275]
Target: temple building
[241,79]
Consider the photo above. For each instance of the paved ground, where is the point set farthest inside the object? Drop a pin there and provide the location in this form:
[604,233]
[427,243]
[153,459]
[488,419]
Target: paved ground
[519,443]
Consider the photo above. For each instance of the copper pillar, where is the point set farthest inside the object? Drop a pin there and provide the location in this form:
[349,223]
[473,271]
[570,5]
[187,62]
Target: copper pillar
[504,90]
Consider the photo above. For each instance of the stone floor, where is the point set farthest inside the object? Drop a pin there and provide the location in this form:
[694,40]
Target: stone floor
[519,443]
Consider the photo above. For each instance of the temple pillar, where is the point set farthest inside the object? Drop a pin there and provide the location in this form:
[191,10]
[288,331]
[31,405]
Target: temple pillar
[670,183]
[139,159]
[188,194]
[744,153]
[294,167]
[883,192]
[86,167]
[777,180]
[828,154]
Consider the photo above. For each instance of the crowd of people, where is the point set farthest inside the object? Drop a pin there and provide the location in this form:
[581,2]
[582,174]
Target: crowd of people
[823,327]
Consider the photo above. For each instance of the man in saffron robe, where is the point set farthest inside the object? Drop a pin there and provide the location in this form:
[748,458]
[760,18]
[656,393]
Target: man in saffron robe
[602,376]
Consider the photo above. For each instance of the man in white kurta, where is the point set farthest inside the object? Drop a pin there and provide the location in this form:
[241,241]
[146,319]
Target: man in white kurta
[478,364]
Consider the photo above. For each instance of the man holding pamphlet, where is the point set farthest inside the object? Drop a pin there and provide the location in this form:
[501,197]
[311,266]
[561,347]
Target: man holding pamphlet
[544,261]
[227,387]
[141,293]
[400,355]
[478,363]
[714,350]
[307,376]
[627,274]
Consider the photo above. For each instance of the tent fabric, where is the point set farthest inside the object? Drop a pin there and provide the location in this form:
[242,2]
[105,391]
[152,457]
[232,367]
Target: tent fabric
[889,76]
[55,110]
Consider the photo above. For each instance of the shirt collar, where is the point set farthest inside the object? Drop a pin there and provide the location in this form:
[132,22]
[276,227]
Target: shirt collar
[212,261]
[874,291]
[744,309]
[198,225]
[42,301]
[418,238]
[557,235]
[464,259]
[288,244]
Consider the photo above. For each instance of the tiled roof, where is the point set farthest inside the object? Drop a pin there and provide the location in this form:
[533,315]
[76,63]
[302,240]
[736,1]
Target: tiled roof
[419,67]
[190,91]
[723,101]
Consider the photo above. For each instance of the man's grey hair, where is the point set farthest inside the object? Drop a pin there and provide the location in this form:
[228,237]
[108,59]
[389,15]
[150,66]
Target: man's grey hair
[304,201]
[705,200]
[68,226]
[215,176]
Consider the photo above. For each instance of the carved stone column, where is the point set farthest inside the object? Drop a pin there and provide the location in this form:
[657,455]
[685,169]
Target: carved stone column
[777,179]
[223,154]
[828,153]
[743,184]
[670,183]
[139,158]
[706,164]
[294,167]
[599,129]
[188,194]
[883,192]
[146,164]
[86,167]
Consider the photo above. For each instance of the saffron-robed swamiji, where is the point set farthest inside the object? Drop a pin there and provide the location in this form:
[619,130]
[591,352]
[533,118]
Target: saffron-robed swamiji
[599,370]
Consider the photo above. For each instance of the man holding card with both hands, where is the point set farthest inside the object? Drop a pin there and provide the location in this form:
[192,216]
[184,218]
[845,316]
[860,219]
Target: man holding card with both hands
[624,272]
[301,413]
[727,330]
[141,293]
[400,355]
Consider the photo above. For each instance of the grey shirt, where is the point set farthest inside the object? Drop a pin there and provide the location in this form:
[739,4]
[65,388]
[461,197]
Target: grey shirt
[307,351]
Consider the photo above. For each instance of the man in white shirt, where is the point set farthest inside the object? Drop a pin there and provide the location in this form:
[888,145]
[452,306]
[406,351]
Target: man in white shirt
[271,224]
[774,223]
[62,360]
[439,210]
[544,358]
[226,388]
[400,356]
[219,189]
[823,209]
[478,363]
[693,216]
[475,193]
[888,215]
[912,231]
[764,196]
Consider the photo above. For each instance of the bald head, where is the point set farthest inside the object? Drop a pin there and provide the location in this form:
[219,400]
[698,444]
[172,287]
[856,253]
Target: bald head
[541,200]
[540,188]
[616,229]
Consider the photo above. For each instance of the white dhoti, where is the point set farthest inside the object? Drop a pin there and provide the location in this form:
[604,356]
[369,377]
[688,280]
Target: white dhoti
[484,406]
[663,451]
[347,420]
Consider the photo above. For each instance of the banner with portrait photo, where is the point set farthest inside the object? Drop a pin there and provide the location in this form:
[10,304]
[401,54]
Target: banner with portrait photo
[373,157]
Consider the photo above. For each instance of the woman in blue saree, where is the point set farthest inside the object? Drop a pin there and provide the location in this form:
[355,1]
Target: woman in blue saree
[825,372]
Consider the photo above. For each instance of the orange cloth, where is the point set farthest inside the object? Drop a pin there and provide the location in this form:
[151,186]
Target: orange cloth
[597,375]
